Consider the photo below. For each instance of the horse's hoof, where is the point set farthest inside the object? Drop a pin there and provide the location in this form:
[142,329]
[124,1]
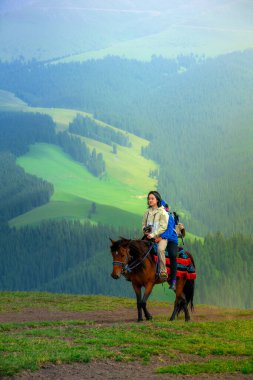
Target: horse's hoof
[149,318]
[187,320]
[140,320]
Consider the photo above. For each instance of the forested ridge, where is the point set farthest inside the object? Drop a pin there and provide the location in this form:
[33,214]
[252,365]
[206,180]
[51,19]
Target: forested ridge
[73,258]
[197,114]
[20,129]
[58,256]
[19,191]
[84,126]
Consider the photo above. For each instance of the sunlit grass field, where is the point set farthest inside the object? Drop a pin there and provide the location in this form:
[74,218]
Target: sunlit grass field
[120,195]
[207,347]
[75,186]
[171,42]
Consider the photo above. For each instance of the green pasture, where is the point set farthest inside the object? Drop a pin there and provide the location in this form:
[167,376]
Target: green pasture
[120,195]
[61,116]
[9,102]
[19,301]
[76,188]
[204,347]
[172,42]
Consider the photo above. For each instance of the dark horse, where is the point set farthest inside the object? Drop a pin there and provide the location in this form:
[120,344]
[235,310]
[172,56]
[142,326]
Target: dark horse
[134,259]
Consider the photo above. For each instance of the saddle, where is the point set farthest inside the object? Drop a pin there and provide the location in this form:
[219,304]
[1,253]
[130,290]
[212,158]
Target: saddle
[185,267]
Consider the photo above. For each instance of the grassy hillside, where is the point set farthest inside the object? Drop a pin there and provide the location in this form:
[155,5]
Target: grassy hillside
[126,28]
[170,43]
[76,188]
[85,328]
[120,195]
[9,102]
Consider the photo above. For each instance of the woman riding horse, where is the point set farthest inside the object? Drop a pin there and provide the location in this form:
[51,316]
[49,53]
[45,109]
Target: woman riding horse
[154,225]
[134,259]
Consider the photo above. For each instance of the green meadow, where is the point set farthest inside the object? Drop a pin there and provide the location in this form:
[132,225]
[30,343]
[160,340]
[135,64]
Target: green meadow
[203,347]
[76,188]
[9,102]
[120,195]
[171,42]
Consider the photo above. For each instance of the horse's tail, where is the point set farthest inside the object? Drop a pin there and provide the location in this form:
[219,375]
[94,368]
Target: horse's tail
[189,295]
[192,260]
[190,286]
[189,292]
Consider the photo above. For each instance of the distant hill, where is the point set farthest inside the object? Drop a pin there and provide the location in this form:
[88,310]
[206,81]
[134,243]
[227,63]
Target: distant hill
[76,30]
[197,116]
[119,197]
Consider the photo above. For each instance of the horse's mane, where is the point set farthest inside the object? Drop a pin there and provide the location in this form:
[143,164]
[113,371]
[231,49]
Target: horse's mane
[116,245]
[137,248]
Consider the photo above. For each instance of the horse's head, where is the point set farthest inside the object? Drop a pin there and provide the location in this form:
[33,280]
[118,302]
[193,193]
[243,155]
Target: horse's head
[120,255]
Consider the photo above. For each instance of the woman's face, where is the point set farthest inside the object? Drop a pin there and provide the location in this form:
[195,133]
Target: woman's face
[152,201]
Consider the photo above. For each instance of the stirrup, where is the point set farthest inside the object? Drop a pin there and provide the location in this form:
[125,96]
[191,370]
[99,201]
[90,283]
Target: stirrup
[163,276]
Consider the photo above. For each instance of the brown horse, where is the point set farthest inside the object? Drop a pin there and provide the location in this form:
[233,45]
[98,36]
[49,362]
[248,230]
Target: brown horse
[134,259]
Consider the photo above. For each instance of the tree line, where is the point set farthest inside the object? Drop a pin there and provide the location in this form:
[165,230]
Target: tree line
[20,129]
[224,270]
[60,256]
[19,191]
[84,126]
[79,151]
[69,257]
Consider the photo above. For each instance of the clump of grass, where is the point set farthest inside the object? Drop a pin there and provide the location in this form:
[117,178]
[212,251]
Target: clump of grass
[18,301]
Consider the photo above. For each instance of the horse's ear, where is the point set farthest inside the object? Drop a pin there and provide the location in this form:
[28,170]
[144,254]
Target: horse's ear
[112,241]
[124,239]
[125,242]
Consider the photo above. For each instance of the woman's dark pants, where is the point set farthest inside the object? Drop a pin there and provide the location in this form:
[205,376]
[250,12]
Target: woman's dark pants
[172,253]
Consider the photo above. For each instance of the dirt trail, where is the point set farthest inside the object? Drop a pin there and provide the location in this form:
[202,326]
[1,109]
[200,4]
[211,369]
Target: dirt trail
[109,369]
[124,315]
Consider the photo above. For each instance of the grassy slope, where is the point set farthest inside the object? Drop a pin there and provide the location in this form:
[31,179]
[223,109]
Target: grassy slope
[173,42]
[208,28]
[76,187]
[9,102]
[120,195]
[204,347]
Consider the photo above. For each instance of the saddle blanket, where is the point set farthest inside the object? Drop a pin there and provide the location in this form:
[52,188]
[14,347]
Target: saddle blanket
[185,267]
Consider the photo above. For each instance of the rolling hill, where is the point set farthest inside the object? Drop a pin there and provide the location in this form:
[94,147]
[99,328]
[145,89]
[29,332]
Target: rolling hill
[120,195]
[78,30]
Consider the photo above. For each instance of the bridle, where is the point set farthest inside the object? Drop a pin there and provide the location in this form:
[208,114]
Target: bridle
[122,264]
[128,268]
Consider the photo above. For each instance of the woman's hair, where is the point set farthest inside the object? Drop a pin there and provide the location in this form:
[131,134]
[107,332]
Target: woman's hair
[157,196]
